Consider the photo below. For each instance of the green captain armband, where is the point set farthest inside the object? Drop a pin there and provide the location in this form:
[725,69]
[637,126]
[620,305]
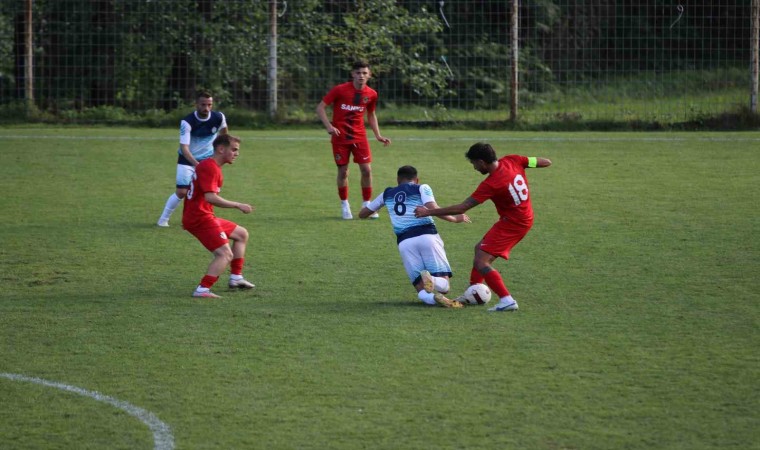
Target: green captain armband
[532,161]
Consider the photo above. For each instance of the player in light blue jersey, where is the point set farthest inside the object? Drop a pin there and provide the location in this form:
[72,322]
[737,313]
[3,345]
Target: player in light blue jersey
[197,132]
[419,243]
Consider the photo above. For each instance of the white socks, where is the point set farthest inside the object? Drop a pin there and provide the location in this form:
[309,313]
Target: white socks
[426,297]
[171,204]
[441,285]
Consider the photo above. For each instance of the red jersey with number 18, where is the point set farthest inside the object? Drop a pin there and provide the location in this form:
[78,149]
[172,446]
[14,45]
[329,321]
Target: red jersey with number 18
[349,106]
[198,213]
[507,188]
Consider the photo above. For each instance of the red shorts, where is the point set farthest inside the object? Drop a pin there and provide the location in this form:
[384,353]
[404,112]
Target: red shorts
[360,150]
[215,234]
[502,236]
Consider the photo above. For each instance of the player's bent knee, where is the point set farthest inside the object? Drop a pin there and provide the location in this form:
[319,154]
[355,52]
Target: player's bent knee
[224,252]
[239,234]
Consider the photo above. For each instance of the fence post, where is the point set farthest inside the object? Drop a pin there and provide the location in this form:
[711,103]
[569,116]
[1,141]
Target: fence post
[754,58]
[28,59]
[514,93]
[272,65]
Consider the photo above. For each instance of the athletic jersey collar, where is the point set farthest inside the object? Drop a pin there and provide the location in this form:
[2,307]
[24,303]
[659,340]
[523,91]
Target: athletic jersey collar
[202,120]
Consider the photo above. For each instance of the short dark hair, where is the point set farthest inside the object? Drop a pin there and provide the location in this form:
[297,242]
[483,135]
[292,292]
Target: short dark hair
[481,151]
[203,94]
[225,140]
[359,64]
[407,173]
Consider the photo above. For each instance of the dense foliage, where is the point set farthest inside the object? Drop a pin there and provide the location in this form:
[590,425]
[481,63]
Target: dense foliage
[142,55]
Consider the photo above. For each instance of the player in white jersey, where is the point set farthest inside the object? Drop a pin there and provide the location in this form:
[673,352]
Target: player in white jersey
[419,243]
[197,132]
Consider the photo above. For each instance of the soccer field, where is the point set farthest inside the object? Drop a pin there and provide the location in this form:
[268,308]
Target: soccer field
[639,321]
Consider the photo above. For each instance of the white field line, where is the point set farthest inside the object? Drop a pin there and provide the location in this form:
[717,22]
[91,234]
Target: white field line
[426,139]
[162,435]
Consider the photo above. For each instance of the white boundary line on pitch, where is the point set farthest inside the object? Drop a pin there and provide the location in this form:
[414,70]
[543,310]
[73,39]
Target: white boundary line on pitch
[441,139]
[162,435]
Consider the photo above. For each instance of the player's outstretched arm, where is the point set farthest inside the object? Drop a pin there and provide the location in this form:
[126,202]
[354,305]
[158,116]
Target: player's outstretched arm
[216,200]
[543,162]
[458,218]
[365,212]
[461,208]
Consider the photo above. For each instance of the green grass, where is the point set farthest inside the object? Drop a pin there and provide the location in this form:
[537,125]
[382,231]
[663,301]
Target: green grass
[638,291]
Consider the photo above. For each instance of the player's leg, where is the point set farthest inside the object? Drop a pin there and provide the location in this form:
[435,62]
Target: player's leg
[483,264]
[411,251]
[341,155]
[184,176]
[366,181]
[498,242]
[363,157]
[222,258]
[342,181]
[475,276]
[239,237]
[413,266]
[215,240]
[438,270]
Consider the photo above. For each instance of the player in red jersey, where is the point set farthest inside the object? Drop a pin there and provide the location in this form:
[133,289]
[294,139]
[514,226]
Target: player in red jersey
[351,100]
[213,232]
[507,187]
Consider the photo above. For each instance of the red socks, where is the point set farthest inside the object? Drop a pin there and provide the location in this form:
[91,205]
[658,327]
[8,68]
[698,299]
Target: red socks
[207,281]
[475,276]
[367,193]
[496,283]
[236,266]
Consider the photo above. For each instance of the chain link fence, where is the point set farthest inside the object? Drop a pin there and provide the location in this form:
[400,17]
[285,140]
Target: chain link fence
[434,61]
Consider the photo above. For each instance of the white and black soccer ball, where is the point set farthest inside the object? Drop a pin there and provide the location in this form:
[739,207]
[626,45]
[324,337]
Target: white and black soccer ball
[477,294]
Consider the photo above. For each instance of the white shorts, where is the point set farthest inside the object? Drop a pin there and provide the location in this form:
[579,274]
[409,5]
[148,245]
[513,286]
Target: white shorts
[424,252]
[184,175]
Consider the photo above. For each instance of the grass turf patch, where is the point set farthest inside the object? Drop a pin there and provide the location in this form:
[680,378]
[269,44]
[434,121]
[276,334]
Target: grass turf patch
[637,287]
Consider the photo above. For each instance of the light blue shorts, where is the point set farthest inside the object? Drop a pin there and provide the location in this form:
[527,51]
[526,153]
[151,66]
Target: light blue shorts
[184,175]
[424,252]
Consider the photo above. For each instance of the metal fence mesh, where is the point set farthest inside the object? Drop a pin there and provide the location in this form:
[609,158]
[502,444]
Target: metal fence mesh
[433,60]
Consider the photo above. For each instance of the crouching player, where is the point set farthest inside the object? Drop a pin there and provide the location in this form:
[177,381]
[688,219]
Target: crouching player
[419,243]
[213,232]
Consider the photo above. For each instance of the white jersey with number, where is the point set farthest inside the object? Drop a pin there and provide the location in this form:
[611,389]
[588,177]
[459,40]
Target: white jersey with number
[419,243]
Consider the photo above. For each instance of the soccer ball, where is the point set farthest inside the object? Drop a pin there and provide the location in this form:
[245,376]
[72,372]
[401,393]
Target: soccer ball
[477,294]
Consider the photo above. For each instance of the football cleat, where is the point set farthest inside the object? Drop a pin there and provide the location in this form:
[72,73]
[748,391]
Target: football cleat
[445,302]
[164,223]
[205,294]
[504,307]
[427,281]
[241,284]
[347,212]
